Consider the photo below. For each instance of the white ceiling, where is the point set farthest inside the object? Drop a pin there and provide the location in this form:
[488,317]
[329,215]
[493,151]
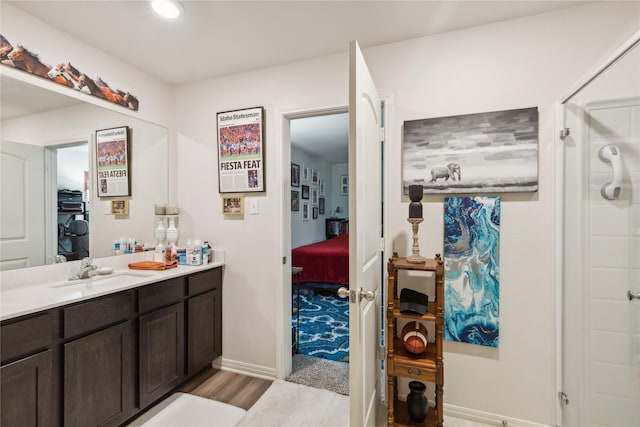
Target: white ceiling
[215,38]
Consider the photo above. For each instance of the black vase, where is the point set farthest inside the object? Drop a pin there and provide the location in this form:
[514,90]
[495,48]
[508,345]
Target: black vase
[417,404]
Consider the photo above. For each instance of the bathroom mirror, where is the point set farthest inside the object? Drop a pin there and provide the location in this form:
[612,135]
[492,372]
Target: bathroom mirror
[35,119]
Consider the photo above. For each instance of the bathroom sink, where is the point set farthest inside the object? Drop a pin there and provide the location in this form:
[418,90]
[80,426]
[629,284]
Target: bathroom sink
[106,280]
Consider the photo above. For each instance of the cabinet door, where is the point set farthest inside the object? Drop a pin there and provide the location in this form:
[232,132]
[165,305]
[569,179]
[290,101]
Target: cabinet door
[98,378]
[26,393]
[204,329]
[161,352]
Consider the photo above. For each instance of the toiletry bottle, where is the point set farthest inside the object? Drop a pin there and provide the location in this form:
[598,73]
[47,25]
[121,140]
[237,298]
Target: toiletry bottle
[158,254]
[196,256]
[168,256]
[116,247]
[209,252]
[205,254]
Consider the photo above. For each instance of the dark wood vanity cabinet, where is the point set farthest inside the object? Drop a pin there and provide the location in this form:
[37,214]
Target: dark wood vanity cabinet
[27,391]
[98,378]
[101,361]
[204,319]
[161,339]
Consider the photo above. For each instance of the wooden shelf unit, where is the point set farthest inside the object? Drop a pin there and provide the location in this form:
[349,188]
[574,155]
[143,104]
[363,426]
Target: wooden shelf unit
[426,367]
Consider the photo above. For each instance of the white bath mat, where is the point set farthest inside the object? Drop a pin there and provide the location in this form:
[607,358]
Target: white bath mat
[187,410]
[286,404]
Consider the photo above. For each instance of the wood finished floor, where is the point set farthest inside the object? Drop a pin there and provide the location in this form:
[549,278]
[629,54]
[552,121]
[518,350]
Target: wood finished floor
[227,387]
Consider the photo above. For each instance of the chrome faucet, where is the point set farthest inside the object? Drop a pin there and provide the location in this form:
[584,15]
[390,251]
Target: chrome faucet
[87,269]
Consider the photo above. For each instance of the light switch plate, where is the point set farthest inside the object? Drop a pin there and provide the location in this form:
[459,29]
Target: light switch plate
[254,208]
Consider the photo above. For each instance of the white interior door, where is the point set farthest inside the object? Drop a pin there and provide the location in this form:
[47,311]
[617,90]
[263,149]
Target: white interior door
[22,230]
[364,240]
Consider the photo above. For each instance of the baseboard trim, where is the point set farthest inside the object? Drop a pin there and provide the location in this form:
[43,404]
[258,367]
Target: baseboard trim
[487,417]
[244,368]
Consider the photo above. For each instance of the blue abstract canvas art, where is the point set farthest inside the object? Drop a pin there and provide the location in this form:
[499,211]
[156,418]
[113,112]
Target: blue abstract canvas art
[471,273]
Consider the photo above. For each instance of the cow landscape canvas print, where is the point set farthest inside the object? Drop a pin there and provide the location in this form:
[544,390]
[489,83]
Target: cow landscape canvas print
[473,153]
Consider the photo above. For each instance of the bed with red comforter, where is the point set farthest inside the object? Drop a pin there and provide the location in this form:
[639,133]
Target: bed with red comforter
[326,261]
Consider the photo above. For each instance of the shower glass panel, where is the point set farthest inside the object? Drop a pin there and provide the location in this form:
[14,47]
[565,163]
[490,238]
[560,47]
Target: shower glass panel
[601,253]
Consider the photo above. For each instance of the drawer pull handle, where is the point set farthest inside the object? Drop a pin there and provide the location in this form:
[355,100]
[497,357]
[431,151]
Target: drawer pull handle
[414,371]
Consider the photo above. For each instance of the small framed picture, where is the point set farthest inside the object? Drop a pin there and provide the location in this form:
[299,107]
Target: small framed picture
[305,173]
[305,192]
[295,175]
[232,205]
[295,201]
[321,187]
[120,207]
[315,212]
[321,205]
[305,211]
[314,176]
[344,185]
[314,196]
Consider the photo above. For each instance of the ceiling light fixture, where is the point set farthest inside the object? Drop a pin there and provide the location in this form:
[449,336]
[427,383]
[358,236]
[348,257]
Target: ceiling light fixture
[167,8]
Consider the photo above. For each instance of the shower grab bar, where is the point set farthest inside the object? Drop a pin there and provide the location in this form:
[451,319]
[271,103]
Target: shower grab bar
[611,154]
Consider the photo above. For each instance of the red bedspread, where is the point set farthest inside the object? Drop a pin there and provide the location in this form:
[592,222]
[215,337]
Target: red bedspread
[326,261]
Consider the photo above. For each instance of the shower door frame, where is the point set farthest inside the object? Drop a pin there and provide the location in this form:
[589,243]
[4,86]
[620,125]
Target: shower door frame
[560,120]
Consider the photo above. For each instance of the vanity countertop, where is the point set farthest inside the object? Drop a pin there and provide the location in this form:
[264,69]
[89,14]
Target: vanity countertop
[35,289]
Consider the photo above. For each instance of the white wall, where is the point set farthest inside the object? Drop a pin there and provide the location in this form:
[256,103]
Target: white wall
[313,230]
[514,64]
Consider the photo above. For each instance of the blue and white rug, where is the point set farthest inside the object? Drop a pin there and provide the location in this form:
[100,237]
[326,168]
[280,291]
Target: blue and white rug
[324,325]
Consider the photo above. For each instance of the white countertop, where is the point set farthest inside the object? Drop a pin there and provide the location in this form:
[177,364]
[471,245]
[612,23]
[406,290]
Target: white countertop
[26,291]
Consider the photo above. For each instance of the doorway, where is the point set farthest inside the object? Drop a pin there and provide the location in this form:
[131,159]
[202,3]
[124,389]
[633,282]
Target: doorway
[601,254]
[68,187]
[319,222]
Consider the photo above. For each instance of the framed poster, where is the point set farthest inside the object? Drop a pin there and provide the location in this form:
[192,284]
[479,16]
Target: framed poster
[305,191]
[295,201]
[321,205]
[295,175]
[492,152]
[305,211]
[241,151]
[233,205]
[120,207]
[344,185]
[112,162]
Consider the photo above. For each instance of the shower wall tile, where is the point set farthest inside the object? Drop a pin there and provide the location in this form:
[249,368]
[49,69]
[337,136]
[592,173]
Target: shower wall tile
[612,252]
[609,219]
[609,316]
[612,348]
[609,283]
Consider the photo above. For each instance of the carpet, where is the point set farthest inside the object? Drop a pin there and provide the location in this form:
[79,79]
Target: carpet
[324,325]
[187,410]
[286,404]
[320,373]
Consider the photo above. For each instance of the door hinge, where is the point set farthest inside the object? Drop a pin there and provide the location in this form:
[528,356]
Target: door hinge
[564,399]
[564,133]
[382,244]
[284,260]
[381,134]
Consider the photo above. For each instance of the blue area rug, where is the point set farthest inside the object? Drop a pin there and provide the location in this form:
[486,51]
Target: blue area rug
[324,325]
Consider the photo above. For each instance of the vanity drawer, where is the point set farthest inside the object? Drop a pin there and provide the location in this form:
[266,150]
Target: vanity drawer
[160,294]
[96,314]
[26,336]
[205,281]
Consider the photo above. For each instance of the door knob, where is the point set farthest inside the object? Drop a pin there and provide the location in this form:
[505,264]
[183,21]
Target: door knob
[343,292]
[633,295]
[368,295]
